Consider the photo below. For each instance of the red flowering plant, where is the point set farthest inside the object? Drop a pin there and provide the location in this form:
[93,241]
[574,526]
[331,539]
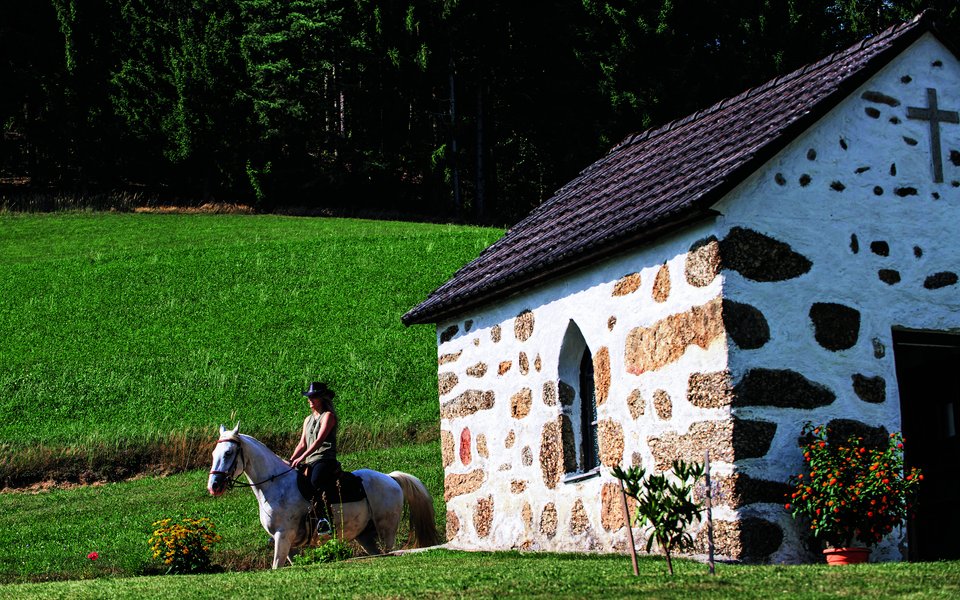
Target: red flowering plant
[850,492]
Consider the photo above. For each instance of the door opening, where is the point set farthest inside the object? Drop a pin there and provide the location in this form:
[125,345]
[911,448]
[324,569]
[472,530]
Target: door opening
[930,414]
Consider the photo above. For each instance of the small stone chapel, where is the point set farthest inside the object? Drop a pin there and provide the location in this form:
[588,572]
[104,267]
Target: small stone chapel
[784,256]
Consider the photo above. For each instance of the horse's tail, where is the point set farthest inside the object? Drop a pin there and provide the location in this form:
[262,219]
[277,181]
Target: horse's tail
[423,526]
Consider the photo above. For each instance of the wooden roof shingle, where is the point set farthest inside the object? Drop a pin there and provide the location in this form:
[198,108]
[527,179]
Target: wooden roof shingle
[663,178]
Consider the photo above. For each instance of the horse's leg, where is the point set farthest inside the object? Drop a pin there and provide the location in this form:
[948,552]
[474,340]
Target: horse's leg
[282,540]
[368,539]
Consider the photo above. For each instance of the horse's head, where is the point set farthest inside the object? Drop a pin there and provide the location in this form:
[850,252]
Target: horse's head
[227,460]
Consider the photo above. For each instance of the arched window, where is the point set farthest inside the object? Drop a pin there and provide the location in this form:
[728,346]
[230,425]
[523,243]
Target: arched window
[581,456]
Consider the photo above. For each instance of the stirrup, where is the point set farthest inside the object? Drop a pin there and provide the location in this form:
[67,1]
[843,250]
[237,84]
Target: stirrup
[324,528]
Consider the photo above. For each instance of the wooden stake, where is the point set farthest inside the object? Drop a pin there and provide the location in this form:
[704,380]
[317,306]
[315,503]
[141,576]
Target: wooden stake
[709,514]
[626,518]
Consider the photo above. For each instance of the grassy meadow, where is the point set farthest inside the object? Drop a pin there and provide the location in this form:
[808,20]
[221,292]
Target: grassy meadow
[124,336]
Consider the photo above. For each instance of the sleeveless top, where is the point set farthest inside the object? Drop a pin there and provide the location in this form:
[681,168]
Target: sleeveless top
[327,449]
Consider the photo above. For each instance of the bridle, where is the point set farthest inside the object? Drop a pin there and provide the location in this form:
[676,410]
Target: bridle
[231,481]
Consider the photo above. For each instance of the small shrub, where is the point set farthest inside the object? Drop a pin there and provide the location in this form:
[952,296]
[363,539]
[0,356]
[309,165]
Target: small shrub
[184,546]
[849,492]
[667,507]
[332,550]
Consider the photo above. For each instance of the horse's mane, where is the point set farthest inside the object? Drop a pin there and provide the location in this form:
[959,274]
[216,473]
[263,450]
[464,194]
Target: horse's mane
[254,442]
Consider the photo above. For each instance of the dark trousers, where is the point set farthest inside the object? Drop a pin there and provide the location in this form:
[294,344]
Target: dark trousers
[322,475]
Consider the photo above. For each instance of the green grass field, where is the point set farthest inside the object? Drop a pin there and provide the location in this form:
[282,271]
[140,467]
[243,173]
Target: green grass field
[119,329]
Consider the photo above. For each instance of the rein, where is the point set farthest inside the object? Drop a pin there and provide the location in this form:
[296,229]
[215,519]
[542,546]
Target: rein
[231,481]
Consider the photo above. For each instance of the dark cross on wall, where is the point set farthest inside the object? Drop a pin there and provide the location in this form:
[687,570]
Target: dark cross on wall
[936,116]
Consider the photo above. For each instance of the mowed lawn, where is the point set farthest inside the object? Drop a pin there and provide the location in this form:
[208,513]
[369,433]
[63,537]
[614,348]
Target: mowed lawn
[449,574]
[117,328]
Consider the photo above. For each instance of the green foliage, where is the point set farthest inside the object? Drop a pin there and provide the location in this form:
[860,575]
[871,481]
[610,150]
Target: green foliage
[52,532]
[851,492]
[184,545]
[120,328]
[664,504]
[332,550]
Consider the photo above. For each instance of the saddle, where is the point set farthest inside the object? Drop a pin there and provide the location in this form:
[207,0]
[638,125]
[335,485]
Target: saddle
[341,488]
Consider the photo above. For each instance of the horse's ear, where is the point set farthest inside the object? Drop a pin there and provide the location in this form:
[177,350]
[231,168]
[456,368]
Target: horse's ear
[236,429]
[222,430]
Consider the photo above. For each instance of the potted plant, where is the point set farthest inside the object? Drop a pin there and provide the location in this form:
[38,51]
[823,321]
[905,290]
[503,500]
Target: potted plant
[851,494]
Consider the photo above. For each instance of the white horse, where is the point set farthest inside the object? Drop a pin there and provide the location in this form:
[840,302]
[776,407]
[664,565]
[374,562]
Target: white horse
[372,522]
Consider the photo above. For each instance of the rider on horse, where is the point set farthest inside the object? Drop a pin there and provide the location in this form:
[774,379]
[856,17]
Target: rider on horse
[317,448]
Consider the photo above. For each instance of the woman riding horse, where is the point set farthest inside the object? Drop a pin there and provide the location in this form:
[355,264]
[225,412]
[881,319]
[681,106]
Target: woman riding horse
[317,448]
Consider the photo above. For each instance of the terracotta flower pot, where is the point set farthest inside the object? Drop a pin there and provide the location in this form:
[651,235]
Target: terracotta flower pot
[846,556]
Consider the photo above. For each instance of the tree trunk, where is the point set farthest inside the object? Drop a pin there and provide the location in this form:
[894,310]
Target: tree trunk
[480,193]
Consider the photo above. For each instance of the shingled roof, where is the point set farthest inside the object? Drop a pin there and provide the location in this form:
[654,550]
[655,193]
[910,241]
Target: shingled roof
[664,178]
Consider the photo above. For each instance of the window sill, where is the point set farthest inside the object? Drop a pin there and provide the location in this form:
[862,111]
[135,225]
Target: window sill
[577,477]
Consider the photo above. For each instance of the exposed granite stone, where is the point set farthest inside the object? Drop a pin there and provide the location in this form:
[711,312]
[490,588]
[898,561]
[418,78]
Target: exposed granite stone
[520,403]
[465,455]
[710,390]
[880,98]
[505,467]
[879,350]
[636,404]
[495,333]
[524,363]
[661,284]
[550,393]
[611,323]
[840,430]
[446,382]
[836,327]
[727,440]
[627,284]
[523,325]
[566,393]
[663,404]
[889,276]
[601,374]
[880,248]
[446,447]
[579,522]
[537,363]
[467,403]
[745,324]
[518,486]
[940,280]
[527,515]
[510,440]
[781,388]
[477,370]
[611,508]
[453,525]
[551,453]
[526,456]
[549,520]
[750,539]
[483,516]
[739,490]
[702,263]
[759,257]
[457,484]
[449,358]
[482,450]
[870,389]
[504,367]
[611,442]
[650,348]
[447,334]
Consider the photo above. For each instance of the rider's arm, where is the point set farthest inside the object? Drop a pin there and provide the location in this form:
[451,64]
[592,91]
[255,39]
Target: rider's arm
[301,445]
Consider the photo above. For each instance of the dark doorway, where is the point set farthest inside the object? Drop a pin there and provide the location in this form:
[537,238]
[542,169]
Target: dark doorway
[927,375]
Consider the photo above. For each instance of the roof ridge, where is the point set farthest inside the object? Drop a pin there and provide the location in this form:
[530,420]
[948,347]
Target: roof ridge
[924,18]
